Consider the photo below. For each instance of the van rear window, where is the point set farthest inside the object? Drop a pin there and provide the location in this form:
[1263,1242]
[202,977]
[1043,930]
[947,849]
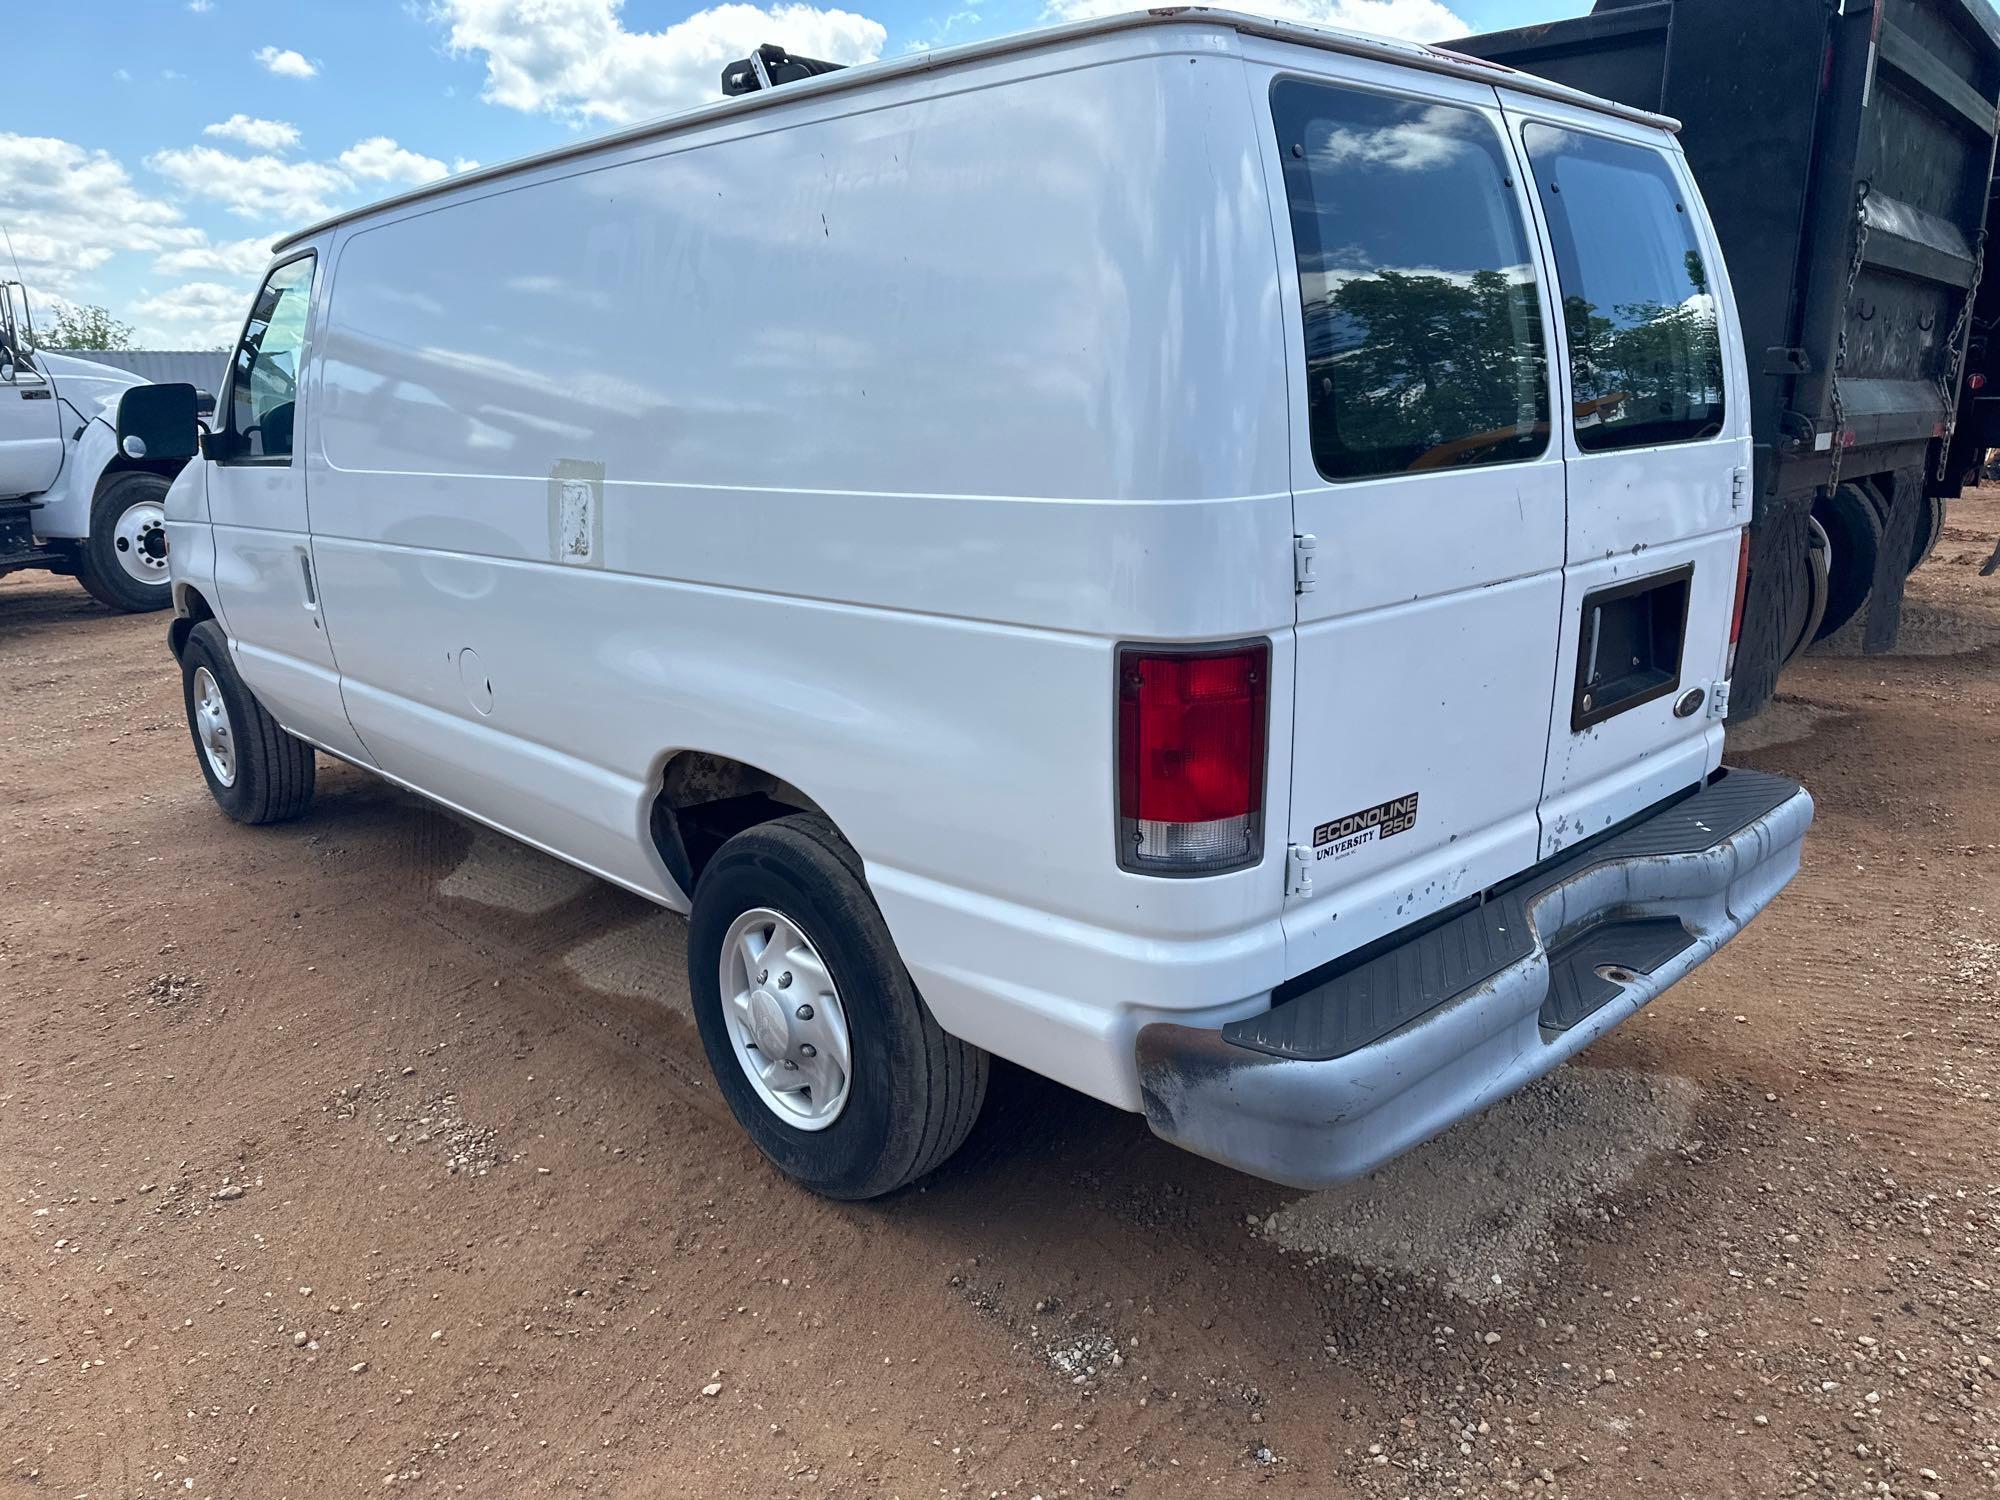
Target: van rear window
[1645,356]
[1423,332]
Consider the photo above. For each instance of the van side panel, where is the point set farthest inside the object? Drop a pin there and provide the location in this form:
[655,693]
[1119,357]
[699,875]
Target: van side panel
[846,439]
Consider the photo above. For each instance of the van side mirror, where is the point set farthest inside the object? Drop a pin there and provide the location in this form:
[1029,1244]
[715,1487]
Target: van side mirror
[157,422]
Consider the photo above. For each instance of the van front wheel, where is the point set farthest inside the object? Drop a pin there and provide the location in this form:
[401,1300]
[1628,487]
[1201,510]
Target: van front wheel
[827,1055]
[256,772]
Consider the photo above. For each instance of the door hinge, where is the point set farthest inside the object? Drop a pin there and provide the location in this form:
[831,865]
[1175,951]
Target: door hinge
[1298,873]
[1304,579]
[1739,489]
[1718,700]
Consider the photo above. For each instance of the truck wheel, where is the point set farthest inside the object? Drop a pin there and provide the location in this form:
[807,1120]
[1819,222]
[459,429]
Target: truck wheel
[1809,603]
[256,772]
[123,562]
[829,1058]
[1930,526]
[1854,538]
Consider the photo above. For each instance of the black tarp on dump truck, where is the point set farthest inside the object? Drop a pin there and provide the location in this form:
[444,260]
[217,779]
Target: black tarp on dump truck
[1845,154]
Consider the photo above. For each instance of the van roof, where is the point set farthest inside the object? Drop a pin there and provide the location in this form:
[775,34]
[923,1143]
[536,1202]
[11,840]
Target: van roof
[865,75]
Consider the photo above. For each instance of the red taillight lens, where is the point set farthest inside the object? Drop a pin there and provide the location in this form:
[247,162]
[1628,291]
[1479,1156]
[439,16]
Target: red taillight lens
[1191,728]
[1742,587]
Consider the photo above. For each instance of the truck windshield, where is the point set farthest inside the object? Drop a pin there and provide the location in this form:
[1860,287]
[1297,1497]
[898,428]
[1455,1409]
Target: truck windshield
[1645,357]
[1423,331]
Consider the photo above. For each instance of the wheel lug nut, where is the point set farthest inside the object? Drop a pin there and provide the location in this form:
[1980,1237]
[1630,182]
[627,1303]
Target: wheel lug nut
[762,975]
[791,1066]
[807,1049]
[784,981]
[804,1012]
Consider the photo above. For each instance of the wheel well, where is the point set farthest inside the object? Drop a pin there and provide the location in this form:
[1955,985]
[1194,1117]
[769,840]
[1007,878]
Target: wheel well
[705,800]
[166,468]
[193,610]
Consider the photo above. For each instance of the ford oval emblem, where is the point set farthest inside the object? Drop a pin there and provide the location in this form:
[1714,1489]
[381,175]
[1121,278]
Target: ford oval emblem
[1689,702]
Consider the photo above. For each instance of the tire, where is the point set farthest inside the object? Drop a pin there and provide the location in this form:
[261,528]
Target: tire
[266,775]
[123,562]
[1810,606]
[1854,539]
[910,1092]
[1930,526]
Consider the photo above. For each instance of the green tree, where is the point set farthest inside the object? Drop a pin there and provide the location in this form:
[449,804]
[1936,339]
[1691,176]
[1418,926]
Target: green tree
[86,326]
[1408,368]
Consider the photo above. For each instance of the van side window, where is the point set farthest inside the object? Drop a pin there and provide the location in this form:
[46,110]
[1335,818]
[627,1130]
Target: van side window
[1424,345]
[1645,354]
[263,386]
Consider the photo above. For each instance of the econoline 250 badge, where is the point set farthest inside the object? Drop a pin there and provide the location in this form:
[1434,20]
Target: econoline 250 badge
[1342,836]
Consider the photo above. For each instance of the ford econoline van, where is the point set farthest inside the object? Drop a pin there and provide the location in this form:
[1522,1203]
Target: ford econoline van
[1196,554]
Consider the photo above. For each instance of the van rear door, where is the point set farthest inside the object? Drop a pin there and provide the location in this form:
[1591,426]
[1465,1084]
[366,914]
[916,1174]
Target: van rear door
[1657,447]
[1425,472]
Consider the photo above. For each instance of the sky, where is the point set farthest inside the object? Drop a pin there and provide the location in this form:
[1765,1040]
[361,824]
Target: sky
[151,150]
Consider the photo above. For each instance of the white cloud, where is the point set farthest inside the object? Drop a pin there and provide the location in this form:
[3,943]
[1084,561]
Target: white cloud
[1411,20]
[575,59]
[194,315]
[70,210]
[267,189]
[264,188]
[380,159]
[264,135]
[201,7]
[243,259]
[463,164]
[285,62]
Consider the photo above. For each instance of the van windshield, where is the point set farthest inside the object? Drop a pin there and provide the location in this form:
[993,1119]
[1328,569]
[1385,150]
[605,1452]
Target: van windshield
[1645,355]
[1423,331]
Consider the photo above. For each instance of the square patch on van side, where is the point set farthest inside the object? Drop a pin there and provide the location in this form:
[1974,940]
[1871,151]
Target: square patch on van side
[576,513]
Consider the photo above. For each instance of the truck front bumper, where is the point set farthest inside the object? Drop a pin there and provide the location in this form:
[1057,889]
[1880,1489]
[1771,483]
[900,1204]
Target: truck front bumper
[1417,1034]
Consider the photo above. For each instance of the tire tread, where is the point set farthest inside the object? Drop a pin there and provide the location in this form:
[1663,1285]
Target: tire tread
[276,770]
[956,1071]
[934,1099]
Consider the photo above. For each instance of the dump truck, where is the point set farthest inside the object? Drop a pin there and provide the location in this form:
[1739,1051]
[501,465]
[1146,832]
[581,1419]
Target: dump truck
[1845,150]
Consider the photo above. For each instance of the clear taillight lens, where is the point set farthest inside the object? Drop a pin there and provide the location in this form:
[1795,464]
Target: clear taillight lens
[1191,732]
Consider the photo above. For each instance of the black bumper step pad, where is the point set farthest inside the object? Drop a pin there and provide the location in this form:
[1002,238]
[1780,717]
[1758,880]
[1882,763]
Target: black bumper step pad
[1640,944]
[1365,1003]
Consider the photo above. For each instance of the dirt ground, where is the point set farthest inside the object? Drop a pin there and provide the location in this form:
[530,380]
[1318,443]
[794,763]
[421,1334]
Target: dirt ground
[374,1153]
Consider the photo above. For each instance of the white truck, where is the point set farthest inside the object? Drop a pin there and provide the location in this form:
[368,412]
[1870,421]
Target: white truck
[1198,554]
[70,500]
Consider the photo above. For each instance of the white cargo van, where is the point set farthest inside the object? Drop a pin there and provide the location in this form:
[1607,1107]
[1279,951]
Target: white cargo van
[1192,553]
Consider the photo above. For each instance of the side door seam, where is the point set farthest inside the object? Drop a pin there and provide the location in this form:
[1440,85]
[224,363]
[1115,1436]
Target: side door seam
[1263,130]
[311,386]
[1561,409]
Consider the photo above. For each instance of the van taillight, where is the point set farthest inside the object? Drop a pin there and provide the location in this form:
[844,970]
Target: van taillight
[1191,730]
[1742,587]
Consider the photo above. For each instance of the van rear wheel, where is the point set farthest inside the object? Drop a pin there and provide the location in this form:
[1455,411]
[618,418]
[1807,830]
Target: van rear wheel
[256,772]
[826,1054]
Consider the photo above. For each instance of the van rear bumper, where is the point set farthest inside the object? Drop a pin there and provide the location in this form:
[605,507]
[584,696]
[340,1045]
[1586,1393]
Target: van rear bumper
[1336,1080]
